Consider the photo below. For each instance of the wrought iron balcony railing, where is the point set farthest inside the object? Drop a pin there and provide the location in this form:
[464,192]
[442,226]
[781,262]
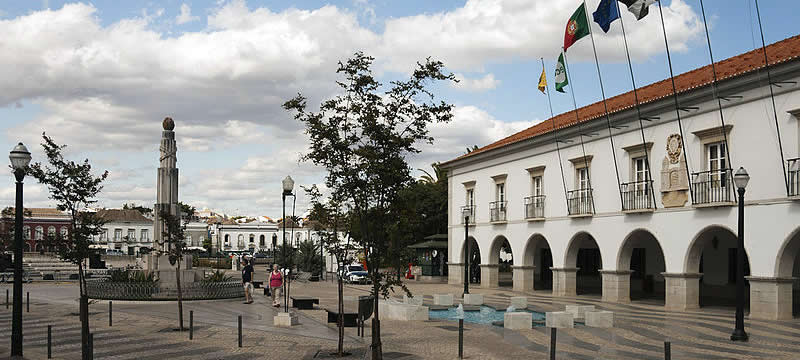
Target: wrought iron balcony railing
[534,207]
[637,195]
[497,210]
[794,177]
[471,211]
[713,186]
[580,202]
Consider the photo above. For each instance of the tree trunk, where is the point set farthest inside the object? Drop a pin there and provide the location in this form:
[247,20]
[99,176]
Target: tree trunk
[180,294]
[340,320]
[377,347]
[84,315]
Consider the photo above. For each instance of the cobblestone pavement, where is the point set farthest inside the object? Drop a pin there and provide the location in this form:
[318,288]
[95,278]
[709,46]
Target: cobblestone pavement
[145,330]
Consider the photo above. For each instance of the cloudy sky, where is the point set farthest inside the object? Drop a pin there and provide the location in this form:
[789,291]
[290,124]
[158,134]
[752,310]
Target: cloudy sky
[100,76]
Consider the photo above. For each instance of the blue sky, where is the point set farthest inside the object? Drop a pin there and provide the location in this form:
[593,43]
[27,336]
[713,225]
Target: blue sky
[99,76]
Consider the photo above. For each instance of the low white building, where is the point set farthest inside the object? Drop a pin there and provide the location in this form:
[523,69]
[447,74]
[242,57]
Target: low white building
[125,230]
[643,205]
[254,236]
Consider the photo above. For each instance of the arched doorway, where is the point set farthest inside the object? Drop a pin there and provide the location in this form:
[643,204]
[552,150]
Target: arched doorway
[641,253]
[538,255]
[788,266]
[713,254]
[500,254]
[474,261]
[584,254]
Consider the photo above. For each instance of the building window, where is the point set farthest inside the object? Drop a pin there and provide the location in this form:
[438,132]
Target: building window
[39,233]
[145,236]
[64,232]
[582,178]
[497,209]
[227,240]
[252,239]
[117,235]
[262,241]
[131,235]
[26,232]
[717,163]
[51,231]
[501,192]
[104,235]
[240,242]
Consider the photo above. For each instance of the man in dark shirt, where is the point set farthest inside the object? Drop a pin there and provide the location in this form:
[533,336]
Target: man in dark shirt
[247,280]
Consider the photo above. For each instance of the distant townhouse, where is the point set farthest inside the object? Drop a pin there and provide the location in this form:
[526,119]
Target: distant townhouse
[125,230]
[37,224]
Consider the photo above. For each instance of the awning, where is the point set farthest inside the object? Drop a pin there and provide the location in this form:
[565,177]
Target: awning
[436,237]
[430,244]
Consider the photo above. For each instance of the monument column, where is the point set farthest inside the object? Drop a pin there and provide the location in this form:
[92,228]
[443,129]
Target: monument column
[167,185]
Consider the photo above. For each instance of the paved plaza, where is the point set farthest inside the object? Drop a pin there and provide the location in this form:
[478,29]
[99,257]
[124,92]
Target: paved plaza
[146,330]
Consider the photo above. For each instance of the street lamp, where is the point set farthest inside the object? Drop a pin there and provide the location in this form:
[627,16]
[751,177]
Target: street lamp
[466,212]
[288,186]
[20,158]
[740,179]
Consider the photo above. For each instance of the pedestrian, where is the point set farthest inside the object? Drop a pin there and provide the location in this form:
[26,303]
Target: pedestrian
[275,283]
[247,281]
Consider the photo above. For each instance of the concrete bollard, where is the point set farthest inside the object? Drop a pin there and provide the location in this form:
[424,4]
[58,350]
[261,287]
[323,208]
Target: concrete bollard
[191,324]
[49,341]
[240,330]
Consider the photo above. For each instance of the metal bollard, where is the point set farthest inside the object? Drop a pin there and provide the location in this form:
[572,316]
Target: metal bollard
[460,338]
[240,330]
[28,302]
[91,346]
[109,313]
[49,341]
[667,350]
[6,298]
[191,324]
[553,344]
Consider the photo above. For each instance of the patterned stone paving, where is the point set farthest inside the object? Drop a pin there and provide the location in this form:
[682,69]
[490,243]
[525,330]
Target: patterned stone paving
[143,331]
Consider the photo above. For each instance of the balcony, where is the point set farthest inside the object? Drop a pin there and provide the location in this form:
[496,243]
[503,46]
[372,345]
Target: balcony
[794,178]
[497,211]
[637,196]
[580,202]
[534,207]
[468,210]
[713,188]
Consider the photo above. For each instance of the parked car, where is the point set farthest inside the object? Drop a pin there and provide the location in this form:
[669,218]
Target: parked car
[355,274]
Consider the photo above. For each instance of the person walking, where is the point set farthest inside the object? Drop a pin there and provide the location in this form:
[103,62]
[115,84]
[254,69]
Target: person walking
[275,283]
[247,280]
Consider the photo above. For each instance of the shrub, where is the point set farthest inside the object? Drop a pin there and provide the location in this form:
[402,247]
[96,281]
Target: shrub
[217,276]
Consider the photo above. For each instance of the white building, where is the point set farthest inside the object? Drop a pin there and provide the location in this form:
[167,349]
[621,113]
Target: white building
[604,227]
[125,230]
[245,237]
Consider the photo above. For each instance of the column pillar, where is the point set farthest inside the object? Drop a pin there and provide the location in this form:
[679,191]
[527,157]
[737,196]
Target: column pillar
[682,291]
[564,281]
[455,273]
[616,286]
[770,298]
[490,275]
[523,277]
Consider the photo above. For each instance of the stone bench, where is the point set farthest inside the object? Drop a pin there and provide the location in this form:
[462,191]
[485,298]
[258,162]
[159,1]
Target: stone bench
[443,299]
[517,320]
[473,299]
[579,311]
[416,300]
[350,318]
[559,319]
[600,319]
[519,302]
[403,312]
[304,302]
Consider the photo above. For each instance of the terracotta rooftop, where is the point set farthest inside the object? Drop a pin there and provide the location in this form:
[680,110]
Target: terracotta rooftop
[116,215]
[38,212]
[779,52]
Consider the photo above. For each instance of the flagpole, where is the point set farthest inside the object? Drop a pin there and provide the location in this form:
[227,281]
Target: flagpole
[648,185]
[772,97]
[677,104]
[605,104]
[578,122]
[555,135]
[714,88]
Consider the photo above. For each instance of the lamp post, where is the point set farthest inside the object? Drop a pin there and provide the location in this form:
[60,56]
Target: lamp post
[466,212]
[740,179]
[288,186]
[20,159]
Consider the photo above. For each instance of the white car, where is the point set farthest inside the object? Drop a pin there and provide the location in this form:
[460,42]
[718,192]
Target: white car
[355,274]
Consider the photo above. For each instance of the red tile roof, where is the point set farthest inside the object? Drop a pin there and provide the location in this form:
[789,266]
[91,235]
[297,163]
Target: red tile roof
[779,52]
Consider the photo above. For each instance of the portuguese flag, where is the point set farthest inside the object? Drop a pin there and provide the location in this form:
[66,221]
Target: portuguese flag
[577,27]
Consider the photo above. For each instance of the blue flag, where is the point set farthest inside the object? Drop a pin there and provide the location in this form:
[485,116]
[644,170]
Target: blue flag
[606,13]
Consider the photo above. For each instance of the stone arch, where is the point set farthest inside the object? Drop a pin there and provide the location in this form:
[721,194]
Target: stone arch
[583,253]
[579,240]
[787,255]
[626,249]
[537,259]
[495,248]
[499,271]
[640,263]
[474,259]
[712,253]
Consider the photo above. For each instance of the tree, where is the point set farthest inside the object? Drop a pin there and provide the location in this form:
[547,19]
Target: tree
[73,187]
[186,210]
[308,258]
[361,137]
[174,241]
[141,209]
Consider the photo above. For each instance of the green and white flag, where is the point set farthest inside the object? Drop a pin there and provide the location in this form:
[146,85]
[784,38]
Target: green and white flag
[561,74]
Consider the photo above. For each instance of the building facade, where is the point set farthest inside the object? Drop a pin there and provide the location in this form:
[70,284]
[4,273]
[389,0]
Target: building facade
[127,231]
[641,205]
[37,224]
[243,237]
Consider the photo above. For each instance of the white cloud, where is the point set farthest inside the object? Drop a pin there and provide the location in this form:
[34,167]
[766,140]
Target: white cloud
[186,15]
[487,82]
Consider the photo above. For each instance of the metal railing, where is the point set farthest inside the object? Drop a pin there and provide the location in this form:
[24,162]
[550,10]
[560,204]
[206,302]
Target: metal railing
[713,186]
[200,290]
[534,207]
[497,210]
[580,202]
[637,195]
[471,210]
[794,176]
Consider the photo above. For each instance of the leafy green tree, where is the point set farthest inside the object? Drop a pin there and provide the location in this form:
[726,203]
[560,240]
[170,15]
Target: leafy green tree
[174,241]
[186,210]
[141,209]
[308,257]
[362,138]
[73,187]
